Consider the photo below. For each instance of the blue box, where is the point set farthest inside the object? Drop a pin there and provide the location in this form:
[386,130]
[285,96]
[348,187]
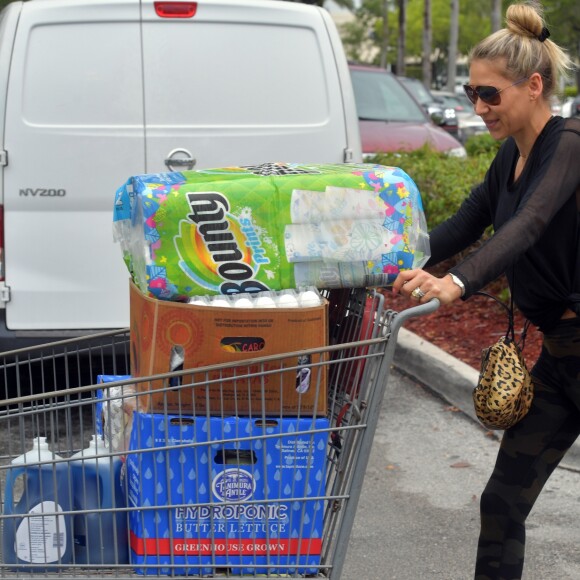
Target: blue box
[234,493]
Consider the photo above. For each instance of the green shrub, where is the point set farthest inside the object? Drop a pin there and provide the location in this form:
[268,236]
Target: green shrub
[444,182]
[482,145]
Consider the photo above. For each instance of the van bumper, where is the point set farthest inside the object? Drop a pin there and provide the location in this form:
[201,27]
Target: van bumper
[13,342]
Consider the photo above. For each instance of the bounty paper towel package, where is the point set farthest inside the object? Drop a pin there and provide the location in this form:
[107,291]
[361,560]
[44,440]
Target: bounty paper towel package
[269,227]
[251,500]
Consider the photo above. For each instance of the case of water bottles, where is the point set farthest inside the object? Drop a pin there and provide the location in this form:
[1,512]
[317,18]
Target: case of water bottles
[229,332]
[96,485]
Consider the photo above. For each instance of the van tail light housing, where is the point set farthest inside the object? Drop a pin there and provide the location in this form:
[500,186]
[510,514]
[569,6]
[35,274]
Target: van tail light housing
[2,269]
[175,9]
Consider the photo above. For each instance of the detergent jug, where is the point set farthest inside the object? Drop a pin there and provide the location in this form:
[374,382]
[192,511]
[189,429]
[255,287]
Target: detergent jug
[37,491]
[100,524]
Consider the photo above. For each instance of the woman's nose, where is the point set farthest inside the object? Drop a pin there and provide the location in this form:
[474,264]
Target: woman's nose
[480,107]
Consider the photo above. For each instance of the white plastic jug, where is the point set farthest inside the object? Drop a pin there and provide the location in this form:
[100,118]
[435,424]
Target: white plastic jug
[100,536]
[42,532]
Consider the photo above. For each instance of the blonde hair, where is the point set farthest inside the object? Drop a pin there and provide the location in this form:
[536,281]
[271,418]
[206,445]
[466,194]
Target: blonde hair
[524,46]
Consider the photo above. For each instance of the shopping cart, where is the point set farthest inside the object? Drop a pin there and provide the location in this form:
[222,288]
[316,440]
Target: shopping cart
[110,490]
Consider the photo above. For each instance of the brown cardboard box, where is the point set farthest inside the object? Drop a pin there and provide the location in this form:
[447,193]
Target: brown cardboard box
[221,336]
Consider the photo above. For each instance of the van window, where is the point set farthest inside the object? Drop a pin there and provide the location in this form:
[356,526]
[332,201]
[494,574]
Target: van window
[83,74]
[220,73]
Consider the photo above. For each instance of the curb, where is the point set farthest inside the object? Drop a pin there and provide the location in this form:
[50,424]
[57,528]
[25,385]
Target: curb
[451,379]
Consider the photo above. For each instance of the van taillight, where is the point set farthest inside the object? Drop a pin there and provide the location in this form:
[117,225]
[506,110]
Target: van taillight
[2,269]
[176,9]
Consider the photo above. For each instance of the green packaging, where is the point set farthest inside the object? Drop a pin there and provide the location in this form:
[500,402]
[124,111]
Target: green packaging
[232,230]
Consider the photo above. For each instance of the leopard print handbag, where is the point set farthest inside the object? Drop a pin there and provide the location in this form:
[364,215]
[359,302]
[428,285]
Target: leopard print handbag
[505,390]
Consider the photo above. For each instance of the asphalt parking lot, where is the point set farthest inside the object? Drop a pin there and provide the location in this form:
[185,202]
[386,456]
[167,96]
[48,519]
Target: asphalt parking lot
[418,516]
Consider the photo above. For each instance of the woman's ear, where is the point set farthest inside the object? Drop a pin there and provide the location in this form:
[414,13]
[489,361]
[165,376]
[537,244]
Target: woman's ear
[535,86]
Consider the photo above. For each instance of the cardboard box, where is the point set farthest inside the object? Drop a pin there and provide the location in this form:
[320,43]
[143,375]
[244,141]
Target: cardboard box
[249,501]
[221,336]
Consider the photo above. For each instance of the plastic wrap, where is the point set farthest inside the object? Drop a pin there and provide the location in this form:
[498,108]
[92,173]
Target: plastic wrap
[269,227]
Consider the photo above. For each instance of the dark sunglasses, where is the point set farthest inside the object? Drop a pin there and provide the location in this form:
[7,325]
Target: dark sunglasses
[489,95]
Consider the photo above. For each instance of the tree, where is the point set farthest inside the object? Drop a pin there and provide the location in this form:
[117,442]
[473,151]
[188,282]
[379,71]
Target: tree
[366,36]
[453,38]
[402,37]
[427,43]
[563,21]
[359,37]
[385,34]
[495,15]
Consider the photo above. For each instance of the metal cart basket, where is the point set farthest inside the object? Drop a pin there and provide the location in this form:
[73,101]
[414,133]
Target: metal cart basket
[96,483]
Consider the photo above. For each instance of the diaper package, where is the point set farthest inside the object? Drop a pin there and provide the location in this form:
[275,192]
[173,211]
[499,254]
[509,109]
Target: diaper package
[269,227]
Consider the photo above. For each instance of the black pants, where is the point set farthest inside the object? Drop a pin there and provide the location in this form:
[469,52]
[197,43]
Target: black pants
[529,453]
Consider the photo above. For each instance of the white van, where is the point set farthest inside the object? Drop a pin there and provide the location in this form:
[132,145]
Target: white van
[94,91]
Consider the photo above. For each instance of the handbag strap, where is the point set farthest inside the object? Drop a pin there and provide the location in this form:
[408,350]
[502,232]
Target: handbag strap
[510,333]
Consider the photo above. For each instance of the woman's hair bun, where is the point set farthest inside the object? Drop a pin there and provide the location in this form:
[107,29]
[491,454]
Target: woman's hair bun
[526,19]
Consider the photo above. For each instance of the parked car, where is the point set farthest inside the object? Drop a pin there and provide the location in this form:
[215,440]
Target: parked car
[575,107]
[567,107]
[469,123]
[444,116]
[390,119]
[456,101]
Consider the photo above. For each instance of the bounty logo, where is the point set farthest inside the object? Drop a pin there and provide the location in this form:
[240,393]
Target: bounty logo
[218,251]
[233,485]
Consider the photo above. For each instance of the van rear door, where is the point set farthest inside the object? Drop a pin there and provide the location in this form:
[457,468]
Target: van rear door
[74,133]
[242,82]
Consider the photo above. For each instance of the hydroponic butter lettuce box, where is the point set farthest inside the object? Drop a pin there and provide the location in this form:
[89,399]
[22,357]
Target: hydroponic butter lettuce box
[231,492]
[229,339]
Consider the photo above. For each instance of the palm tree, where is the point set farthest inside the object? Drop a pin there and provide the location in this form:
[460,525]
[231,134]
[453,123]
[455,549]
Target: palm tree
[427,43]
[453,38]
[385,35]
[402,39]
[495,15]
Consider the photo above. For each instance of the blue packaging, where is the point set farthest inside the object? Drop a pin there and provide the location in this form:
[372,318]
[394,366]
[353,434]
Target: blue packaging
[234,493]
[100,527]
[100,411]
[42,535]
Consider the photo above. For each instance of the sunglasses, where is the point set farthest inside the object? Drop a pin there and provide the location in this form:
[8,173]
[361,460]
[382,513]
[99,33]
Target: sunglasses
[489,95]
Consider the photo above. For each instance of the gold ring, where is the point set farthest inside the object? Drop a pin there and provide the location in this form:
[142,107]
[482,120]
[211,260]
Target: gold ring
[418,293]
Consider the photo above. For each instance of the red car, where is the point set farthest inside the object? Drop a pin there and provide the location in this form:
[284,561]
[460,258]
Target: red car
[390,119]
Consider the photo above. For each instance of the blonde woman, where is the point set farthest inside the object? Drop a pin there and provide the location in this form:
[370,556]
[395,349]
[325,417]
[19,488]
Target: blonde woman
[531,196]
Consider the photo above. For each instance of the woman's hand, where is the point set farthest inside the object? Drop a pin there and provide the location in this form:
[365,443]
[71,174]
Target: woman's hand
[421,286]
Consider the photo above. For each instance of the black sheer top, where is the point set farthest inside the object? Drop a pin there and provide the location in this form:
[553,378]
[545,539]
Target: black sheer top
[536,226]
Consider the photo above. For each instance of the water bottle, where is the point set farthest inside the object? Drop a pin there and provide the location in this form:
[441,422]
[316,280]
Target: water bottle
[100,536]
[41,531]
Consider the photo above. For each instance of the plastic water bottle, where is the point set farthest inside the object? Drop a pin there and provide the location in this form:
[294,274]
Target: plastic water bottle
[43,535]
[100,536]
